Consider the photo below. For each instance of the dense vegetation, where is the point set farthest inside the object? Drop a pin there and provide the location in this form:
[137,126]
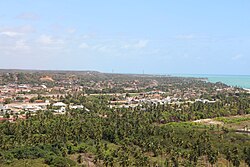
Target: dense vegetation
[150,134]
[91,81]
[142,136]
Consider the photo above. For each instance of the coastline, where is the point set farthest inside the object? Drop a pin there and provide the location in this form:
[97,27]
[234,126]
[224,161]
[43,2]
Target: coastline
[242,81]
[247,89]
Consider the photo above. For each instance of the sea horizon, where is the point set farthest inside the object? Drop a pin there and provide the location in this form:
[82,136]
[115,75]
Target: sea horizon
[236,80]
[242,81]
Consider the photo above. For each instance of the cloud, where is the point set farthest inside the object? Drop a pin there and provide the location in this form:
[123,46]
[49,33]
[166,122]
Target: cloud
[84,46]
[49,40]
[28,16]
[237,57]
[21,45]
[188,36]
[71,30]
[26,29]
[138,45]
[16,31]
[106,48]
[186,56]
[141,44]
[14,46]
[11,33]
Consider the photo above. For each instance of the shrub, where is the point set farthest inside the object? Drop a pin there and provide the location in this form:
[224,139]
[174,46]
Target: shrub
[59,161]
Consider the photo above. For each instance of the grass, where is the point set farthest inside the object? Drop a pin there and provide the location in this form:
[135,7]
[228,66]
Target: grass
[235,122]
[238,125]
[26,163]
[189,125]
[230,120]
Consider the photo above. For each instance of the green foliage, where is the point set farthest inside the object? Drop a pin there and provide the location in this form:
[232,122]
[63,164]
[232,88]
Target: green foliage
[59,161]
[232,119]
[25,163]
[247,155]
[125,137]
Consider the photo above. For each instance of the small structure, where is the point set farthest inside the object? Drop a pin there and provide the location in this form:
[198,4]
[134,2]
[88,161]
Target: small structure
[3,108]
[59,104]
[44,86]
[76,107]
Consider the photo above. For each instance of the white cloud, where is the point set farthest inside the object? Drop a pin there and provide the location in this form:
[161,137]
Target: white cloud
[88,36]
[104,49]
[71,30]
[21,44]
[138,45]
[141,44]
[16,31]
[49,40]
[185,55]
[84,46]
[28,16]
[126,46]
[189,36]
[11,33]
[14,46]
[237,57]
[101,47]
[26,29]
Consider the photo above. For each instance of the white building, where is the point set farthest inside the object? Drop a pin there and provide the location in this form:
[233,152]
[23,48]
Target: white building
[59,104]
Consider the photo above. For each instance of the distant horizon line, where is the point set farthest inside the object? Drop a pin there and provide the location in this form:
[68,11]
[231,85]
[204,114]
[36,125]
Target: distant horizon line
[92,70]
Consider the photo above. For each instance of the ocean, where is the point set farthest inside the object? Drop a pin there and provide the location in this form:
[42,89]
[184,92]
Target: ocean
[242,81]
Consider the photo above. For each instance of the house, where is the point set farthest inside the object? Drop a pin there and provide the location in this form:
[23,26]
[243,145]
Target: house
[39,101]
[76,107]
[59,104]
[3,107]
[44,86]
[61,110]
[22,86]
[204,101]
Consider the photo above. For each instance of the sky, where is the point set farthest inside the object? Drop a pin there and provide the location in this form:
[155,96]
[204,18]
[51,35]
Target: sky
[126,36]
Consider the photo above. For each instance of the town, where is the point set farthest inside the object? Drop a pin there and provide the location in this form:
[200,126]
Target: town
[89,118]
[123,91]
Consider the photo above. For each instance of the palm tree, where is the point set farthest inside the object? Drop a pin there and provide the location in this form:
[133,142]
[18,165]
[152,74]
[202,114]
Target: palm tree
[235,157]
[247,155]
[228,156]
[79,159]
[212,157]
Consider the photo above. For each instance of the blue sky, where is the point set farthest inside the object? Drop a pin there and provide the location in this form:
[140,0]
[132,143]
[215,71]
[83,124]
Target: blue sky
[127,36]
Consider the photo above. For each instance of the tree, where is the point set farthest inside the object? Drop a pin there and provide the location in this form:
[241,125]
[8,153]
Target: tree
[79,159]
[228,154]
[235,157]
[247,155]
[212,156]
[7,101]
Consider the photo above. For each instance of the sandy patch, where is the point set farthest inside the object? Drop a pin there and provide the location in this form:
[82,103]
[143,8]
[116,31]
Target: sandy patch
[209,121]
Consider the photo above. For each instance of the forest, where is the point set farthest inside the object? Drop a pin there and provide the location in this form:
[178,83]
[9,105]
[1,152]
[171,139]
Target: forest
[149,135]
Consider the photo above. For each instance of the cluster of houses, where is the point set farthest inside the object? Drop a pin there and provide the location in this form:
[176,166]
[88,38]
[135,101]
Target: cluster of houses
[19,110]
[20,98]
[152,97]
